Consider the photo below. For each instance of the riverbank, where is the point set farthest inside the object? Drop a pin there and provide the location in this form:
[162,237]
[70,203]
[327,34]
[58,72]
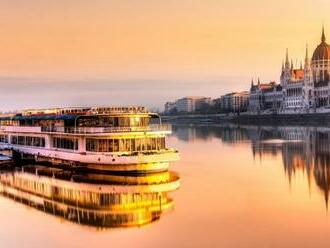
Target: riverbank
[315,119]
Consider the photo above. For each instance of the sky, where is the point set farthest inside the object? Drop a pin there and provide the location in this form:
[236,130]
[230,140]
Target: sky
[147,52]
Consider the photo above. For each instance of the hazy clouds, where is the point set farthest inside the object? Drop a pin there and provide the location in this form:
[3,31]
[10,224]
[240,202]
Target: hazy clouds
[16,93]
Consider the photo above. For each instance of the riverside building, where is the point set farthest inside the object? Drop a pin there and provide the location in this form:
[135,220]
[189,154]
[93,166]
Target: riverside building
[301,90]
[265,96]
[234,102]
[187,104]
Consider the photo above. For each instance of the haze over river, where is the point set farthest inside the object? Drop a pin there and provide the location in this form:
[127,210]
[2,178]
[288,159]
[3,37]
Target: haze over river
[242,186]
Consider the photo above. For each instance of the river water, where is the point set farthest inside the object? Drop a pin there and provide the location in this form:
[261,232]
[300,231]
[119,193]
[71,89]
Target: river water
[244,186]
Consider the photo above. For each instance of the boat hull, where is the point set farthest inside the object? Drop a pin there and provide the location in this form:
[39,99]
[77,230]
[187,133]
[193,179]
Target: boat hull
[140,162]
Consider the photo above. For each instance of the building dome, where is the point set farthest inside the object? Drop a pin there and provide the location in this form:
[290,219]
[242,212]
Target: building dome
[322,52]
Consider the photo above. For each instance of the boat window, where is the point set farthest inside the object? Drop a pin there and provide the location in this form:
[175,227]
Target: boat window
[125,145]
[65,143]
[4,138]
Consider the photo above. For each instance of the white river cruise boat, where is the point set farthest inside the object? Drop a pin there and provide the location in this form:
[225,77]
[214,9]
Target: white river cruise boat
[122,139]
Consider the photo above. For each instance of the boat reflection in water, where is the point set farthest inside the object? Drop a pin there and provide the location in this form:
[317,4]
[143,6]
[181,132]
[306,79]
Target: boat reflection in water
[102,201]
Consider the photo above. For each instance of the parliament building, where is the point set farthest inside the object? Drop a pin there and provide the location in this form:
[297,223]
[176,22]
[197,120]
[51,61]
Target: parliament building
[301,90]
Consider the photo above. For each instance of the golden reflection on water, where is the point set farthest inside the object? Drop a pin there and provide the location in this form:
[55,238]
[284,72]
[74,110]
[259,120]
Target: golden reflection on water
[305,149]
[242,186]
[102,201]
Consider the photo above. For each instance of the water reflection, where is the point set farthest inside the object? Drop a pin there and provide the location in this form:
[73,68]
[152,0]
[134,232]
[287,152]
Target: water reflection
[230,134]
[304,149]
[97,200]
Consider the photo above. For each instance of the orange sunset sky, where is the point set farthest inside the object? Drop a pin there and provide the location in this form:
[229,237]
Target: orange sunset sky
[145,52]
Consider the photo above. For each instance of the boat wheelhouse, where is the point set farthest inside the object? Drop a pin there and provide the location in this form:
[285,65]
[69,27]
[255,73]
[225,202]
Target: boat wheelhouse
[128,139]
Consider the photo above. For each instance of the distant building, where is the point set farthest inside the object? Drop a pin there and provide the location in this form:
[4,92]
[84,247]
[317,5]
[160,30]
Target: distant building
[301,90]
[170,107]
[240,101]
[234,102]
[265,96]
[225,102]
[200,102]
[298,89]
[187,104]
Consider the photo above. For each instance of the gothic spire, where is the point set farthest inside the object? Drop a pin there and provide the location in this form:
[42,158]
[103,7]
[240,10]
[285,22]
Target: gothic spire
[307,62]
[287,63]
[323,35]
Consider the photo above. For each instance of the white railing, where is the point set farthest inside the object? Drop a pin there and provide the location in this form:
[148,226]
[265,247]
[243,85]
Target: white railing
[20,129]
[88,130]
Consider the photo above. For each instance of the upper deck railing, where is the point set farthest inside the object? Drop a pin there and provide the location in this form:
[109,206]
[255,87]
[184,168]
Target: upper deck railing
[86,130]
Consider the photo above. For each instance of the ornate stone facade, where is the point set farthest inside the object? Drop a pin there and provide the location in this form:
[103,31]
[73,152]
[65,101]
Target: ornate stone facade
[265,96]
[301,90]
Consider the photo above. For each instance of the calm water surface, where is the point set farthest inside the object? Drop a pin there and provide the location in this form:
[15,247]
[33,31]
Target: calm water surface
[239,187]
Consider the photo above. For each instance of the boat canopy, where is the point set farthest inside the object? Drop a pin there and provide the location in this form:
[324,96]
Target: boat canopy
[40,117]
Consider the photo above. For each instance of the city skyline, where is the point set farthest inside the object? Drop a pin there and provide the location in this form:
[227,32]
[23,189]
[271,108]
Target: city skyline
[146,52]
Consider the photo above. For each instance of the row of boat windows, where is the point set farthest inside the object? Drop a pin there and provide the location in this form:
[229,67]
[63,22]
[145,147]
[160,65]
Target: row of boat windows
[125,145]
[62,143]
[93,145]
[24,140]
[28,141]
[136,121]
[114,122]
[9,123]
